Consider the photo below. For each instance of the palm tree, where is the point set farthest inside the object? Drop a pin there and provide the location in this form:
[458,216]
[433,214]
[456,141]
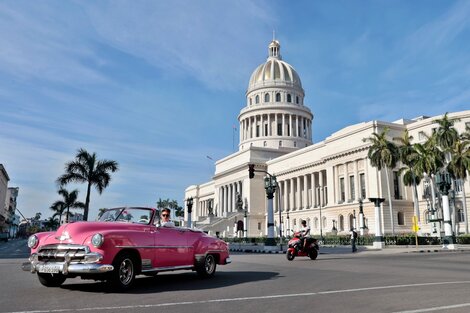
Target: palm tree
[51,223]
[69,201]
[408,157]
[446,134]
[458,167]
[86,168]
[383,154]
[58,209]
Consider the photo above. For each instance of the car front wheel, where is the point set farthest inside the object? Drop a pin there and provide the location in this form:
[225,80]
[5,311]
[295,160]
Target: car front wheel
[207,267]
[123,275]
[51,280]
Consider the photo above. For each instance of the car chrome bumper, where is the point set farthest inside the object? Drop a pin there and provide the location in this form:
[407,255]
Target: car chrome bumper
[34,265]
[228,260]
[65,268]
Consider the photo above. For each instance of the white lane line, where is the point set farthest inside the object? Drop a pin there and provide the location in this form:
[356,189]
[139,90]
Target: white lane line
[437,308]
[127,307]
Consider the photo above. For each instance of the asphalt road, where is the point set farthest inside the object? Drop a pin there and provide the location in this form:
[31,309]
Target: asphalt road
[335,282]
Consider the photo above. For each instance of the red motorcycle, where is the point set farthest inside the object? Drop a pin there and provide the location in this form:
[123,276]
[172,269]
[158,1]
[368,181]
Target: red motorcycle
[295,247]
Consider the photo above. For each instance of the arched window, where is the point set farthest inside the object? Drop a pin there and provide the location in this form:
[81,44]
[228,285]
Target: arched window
[280,143]
[315,223]
[297,99]
[351,221]
[289,98]
[341,223]
[266,97]
[324,222]
[401,218]
[251,101]
[278,97]
[257,99]
[460,216]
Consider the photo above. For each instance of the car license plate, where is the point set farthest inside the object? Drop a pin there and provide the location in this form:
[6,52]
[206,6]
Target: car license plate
[49,268]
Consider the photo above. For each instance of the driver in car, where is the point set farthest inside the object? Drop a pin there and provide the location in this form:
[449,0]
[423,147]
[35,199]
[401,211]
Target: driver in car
[165,218]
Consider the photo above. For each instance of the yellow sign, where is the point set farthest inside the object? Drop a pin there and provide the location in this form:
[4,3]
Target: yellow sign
[415,226]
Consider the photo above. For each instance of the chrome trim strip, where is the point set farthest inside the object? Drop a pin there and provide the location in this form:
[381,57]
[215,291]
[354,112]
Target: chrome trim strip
[168,268]
[156,247]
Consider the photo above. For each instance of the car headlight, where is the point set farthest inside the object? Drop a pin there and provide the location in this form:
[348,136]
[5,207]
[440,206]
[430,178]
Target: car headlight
[97,240]
[33,241]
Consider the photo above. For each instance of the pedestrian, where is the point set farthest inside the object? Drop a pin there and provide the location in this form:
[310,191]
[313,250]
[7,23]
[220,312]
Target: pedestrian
[353,240]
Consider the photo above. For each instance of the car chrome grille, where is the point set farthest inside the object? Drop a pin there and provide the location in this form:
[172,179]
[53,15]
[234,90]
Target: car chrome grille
[58,253]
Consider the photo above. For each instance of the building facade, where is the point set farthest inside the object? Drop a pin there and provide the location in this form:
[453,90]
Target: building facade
[325,183]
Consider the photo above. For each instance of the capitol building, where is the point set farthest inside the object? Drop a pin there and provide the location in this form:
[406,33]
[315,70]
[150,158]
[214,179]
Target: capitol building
[324,183]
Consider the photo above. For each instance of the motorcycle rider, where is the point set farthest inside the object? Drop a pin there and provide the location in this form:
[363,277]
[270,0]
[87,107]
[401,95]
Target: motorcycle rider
[304,232]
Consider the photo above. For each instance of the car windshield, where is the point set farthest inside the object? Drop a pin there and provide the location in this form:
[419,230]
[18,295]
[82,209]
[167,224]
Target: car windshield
[128,215]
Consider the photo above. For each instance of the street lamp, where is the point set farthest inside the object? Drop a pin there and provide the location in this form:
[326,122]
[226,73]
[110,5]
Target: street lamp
[288,224]
[270,184]
[354,220]
[361,218]
[444,182]
[321,220]
[244,224]
[189,204]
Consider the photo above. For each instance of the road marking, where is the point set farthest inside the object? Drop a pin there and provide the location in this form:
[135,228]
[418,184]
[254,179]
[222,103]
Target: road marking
[127,307]
[437,308]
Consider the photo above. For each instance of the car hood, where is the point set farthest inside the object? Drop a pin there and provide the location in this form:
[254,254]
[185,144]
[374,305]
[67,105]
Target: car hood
[79,232]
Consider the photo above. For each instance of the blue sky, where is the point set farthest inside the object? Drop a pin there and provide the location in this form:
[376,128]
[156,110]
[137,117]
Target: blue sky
[157,85]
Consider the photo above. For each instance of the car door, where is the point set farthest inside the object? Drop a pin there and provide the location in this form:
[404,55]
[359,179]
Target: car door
[171,247]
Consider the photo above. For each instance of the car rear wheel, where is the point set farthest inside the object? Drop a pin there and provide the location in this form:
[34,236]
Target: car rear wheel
[207,267]
[51,280]
[123,275]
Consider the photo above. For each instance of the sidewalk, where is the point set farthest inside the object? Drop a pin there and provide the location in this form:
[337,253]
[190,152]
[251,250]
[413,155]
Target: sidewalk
[347,249]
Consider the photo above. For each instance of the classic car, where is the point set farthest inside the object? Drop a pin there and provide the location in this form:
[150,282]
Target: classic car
[122,243]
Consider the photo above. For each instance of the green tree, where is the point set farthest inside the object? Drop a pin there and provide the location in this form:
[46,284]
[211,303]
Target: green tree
[408,157]
[86,168]
[68,201]
[51,224]
[383,154]
[58,209]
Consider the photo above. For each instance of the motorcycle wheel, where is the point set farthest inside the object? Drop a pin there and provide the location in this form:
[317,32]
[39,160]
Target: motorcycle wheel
[313,253]
[290,256]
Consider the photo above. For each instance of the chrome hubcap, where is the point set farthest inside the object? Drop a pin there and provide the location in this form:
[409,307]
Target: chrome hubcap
[126,271]
[210,263]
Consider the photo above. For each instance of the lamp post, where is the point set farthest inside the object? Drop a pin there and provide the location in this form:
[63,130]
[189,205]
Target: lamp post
[361,218]
[288,224]
[334,230]
[189,204]
[321,220]
[379,242]
[270,184]
[354,220]
[245,217]
[443,181]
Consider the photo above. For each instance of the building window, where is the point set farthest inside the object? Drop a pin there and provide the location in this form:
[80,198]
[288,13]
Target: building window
[362,179]
[351,221]
[289,98]
[257,130]
[422,136]
[396,185]
[460,216]
[401,218]
[324,222]
[259,226]
[266,97]
[279,129]
[266,129]
[297,99]
[352,189]
[251,101]
[315,223]
[295,144]
[341,190]
[341,223]
[278,97]
[257,99]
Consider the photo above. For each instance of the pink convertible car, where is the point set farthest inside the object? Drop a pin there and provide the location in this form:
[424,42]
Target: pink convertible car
[123,243]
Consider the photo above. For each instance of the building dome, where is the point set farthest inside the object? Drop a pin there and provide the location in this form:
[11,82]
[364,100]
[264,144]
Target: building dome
[275,116]
[274,71]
